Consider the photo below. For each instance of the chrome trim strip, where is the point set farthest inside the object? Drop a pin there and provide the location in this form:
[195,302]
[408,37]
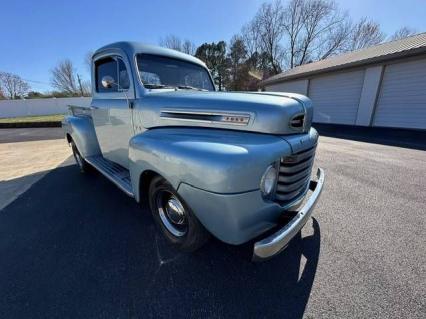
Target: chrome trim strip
[166,115]
[278,241]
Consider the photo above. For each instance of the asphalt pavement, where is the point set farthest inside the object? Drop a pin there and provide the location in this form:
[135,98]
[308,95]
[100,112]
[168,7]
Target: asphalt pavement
[74,246]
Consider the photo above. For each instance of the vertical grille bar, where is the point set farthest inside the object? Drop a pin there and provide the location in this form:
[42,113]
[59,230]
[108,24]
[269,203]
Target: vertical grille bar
[294,175]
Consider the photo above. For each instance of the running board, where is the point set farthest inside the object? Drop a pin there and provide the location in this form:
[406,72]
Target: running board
[116,173]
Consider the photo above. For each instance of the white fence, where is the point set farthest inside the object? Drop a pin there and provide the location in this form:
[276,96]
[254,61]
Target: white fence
[16,108]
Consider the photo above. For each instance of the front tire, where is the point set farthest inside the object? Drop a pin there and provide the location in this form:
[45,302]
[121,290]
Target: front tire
[81,162]
[174,217]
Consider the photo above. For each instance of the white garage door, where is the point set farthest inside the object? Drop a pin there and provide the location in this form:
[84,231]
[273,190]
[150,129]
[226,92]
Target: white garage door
[402,98]
[300,86]
[336,97]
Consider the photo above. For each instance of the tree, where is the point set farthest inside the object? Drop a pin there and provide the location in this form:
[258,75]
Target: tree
[301,31]
[268,23]
[35,95]
[315,29]
[188,47]
[13,86]
[65,79]
[172,42]
[365,33]
[239,70]
[88,61]
[214,55]
[402,33]
[175,43]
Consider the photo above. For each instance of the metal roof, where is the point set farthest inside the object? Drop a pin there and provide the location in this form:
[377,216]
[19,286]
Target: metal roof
[132,48]
[412,45]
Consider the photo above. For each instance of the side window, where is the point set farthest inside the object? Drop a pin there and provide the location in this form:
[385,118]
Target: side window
[104,67]
[123,76]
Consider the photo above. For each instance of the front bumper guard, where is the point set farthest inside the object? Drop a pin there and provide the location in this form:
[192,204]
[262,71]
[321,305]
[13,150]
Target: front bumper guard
[275,243]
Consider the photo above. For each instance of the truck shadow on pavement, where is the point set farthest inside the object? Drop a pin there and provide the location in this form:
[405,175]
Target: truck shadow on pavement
[74,246]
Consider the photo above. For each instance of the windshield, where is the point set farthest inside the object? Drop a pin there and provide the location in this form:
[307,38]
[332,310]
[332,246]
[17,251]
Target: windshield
[163,72]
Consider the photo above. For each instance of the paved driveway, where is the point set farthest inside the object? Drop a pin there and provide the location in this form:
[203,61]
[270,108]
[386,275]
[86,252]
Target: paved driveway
[26,155]
[74,246]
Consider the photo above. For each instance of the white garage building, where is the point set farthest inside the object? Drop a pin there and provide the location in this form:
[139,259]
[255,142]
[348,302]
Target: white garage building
[383,85]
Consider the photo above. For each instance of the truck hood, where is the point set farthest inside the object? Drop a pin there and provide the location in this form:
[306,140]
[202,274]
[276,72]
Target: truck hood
[264,112]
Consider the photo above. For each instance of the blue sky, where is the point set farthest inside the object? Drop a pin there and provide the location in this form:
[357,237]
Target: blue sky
[35,35]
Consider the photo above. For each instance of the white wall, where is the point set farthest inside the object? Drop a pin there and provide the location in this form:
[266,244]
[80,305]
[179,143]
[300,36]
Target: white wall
[299,86]
[16,108]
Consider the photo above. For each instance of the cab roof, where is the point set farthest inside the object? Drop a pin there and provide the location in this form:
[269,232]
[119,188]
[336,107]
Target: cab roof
[133,48]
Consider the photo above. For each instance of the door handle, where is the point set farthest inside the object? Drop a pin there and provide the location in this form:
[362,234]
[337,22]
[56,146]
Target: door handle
[93,107]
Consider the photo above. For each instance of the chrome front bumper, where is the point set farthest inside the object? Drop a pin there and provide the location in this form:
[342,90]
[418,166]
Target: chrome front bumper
[278,241]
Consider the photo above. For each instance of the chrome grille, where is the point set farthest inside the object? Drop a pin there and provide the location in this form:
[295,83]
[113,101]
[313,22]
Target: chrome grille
[294,175]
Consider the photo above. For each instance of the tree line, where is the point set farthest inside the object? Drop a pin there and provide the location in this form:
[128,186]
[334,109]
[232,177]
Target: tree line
[280,36]
[283,35]
[64,79]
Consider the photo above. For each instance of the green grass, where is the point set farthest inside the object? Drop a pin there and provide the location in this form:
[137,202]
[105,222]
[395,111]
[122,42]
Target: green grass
[32,119]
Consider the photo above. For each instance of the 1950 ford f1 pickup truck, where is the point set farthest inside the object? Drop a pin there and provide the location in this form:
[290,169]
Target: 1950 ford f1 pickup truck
[222,163]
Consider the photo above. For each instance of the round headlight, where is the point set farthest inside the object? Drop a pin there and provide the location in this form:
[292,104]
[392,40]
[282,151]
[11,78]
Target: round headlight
[268,181]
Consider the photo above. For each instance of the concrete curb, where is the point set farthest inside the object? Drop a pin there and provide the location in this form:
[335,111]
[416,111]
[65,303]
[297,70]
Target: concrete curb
[30,124]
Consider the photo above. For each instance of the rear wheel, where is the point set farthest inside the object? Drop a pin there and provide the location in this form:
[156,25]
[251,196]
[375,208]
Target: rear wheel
[81,163]
[174,217]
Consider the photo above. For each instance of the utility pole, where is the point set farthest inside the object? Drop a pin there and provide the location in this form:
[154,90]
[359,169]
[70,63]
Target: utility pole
[79,84]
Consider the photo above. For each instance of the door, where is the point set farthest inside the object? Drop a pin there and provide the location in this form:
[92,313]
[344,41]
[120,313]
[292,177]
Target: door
[336,97]
[402,97]
[111,112]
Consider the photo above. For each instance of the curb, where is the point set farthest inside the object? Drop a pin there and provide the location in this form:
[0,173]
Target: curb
[30,124]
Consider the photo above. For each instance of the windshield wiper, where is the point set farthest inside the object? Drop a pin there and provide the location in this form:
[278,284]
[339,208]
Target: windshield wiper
[164,86]
[187,87]
[158,86]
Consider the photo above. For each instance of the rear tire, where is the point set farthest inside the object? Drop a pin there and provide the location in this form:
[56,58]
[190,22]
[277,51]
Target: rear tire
[174,217]
[81,162]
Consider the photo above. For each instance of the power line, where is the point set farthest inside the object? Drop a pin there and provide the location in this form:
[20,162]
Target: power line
[34,81]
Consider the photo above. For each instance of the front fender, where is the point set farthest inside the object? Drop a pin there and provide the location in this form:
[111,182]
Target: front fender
[214,160]
[82,131]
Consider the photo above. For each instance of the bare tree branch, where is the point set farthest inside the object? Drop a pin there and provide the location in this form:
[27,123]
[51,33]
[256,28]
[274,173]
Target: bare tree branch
[250,37]
[324,32]
[12,85]
[64,78]
[88,61]
[188,47]
[365,33]
[402,33]
[175,43]
[270,30]
[293,24]
[172,42]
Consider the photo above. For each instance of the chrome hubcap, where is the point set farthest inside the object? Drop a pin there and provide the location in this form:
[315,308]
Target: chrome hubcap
[175,211]
[172,213]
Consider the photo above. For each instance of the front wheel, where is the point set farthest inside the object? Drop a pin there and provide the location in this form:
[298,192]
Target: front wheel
[175,219]
[81,162]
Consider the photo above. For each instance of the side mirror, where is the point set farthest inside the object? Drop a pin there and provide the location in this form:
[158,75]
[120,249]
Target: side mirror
[108,81]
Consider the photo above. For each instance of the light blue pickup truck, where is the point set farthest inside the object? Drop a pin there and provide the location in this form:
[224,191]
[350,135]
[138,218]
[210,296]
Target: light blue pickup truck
[229,164]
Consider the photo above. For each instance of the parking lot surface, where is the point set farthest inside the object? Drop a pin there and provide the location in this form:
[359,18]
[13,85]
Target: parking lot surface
[74,246]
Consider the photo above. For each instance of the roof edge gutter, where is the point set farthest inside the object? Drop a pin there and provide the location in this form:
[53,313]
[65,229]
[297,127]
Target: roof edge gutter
[366,62]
